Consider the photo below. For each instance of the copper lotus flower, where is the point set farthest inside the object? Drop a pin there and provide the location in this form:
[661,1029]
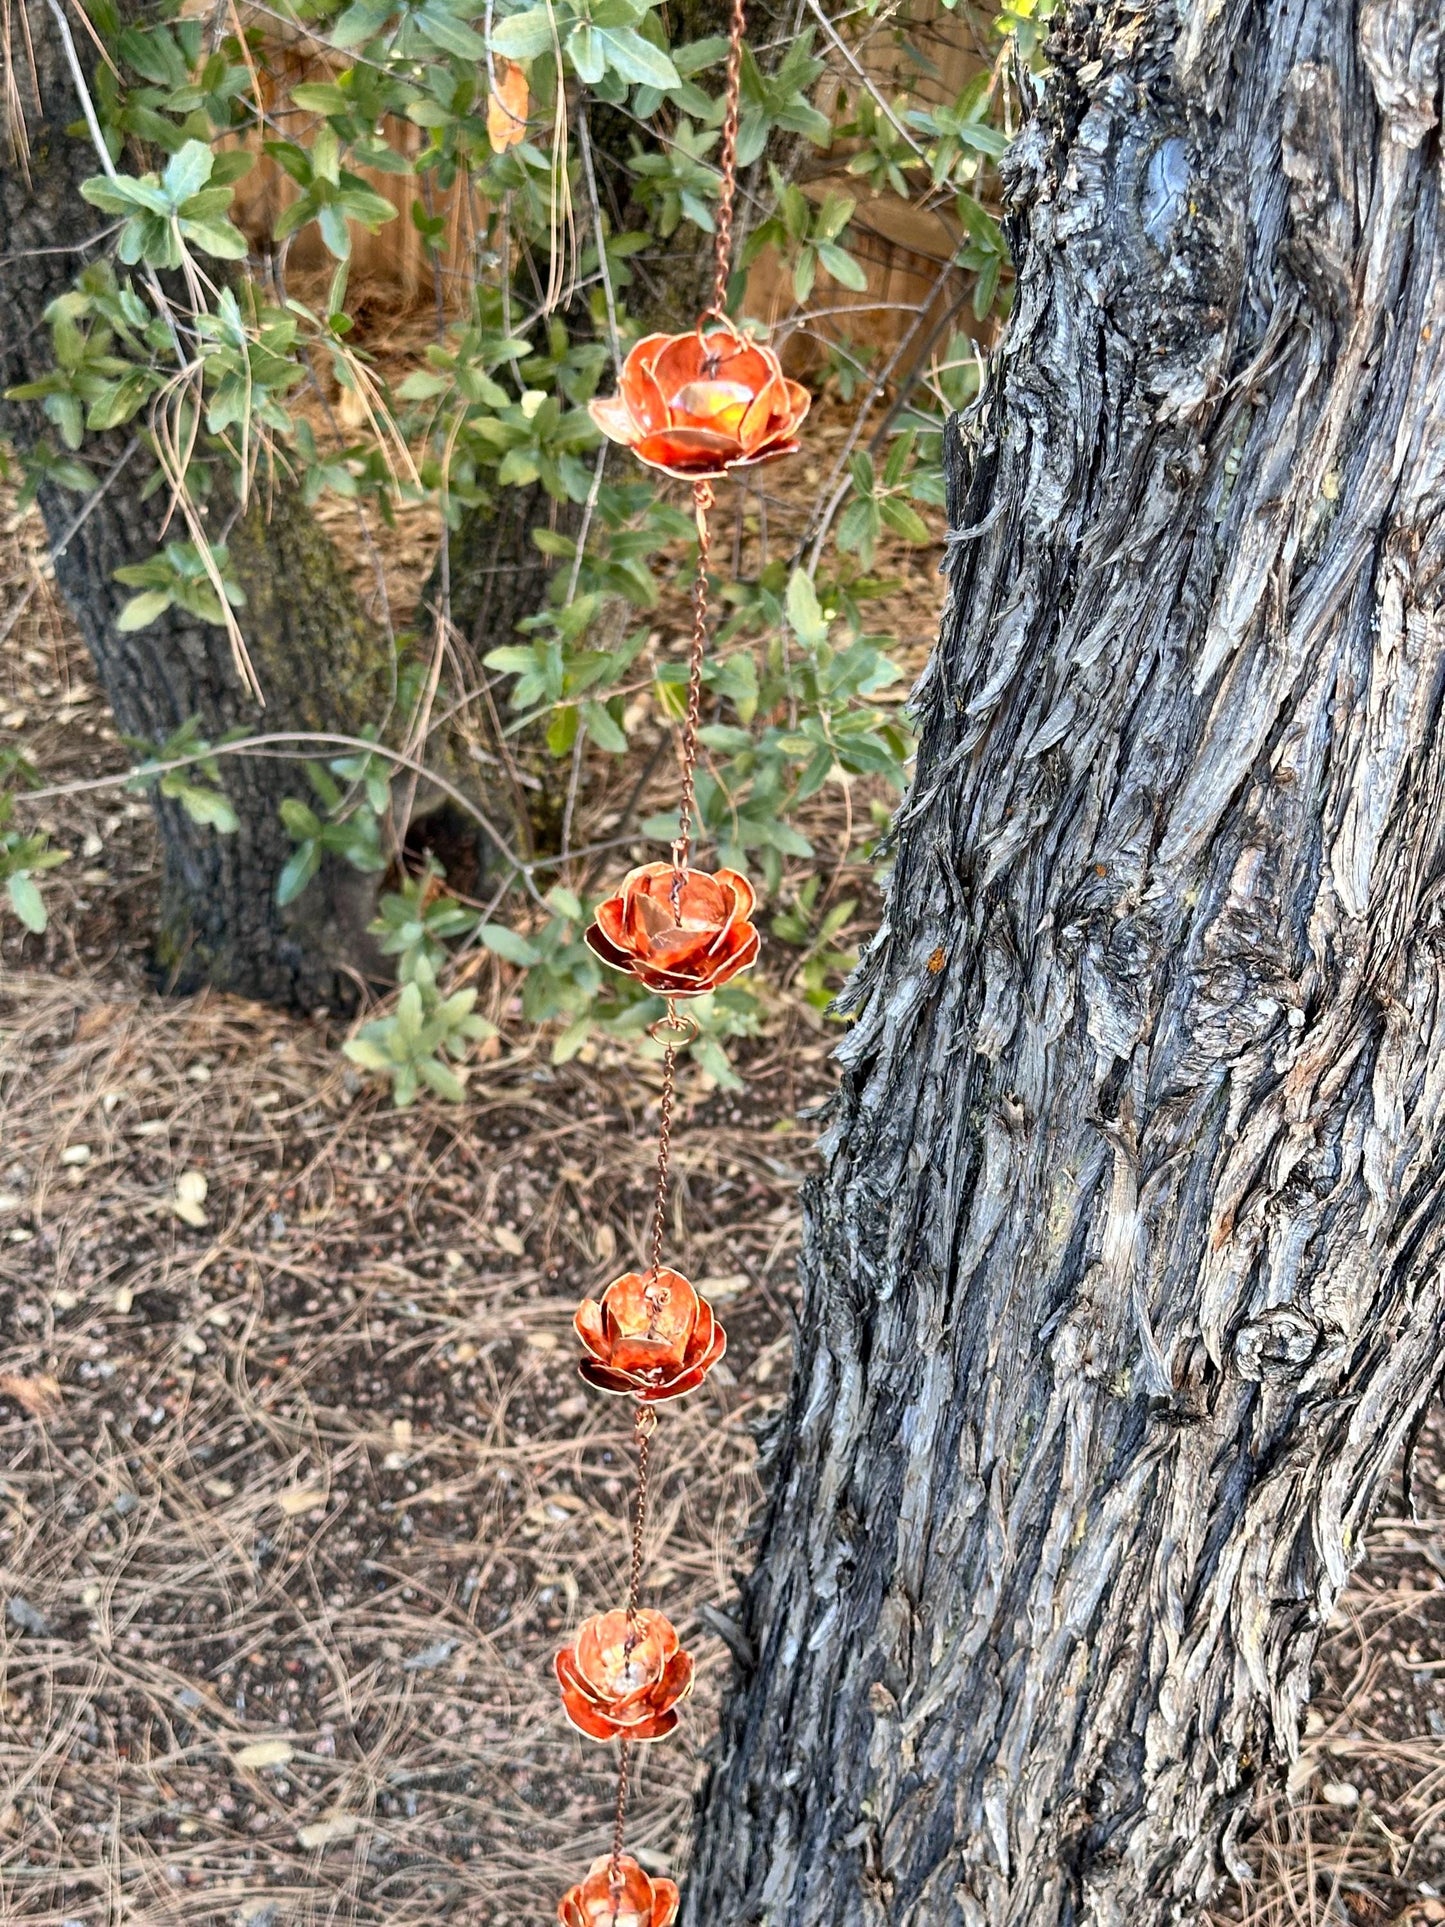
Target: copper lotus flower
[623,1675]
[683,951]
[649,1334]
[635,1899]
[699,405]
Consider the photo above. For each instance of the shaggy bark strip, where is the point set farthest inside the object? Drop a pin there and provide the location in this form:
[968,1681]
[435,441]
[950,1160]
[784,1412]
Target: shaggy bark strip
[1122,1282]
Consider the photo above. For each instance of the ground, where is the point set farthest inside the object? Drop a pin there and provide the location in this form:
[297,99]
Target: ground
[301,1492]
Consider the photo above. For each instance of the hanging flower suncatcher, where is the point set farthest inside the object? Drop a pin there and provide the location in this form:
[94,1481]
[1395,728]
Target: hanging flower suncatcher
[698,406]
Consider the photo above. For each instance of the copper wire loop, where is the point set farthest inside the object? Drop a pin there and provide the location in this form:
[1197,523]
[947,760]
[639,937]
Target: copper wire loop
[679,1028]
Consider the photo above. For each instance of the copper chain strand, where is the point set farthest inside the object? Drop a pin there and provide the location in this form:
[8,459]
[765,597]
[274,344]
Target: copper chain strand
[681,850]
[728,159]
[645,1422]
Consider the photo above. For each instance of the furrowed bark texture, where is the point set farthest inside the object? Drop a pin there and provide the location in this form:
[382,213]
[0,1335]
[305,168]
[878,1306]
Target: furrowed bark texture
[319,663]
[1122,1281]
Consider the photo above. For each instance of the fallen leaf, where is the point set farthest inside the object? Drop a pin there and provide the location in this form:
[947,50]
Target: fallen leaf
[75,1154]
[1340,1793]
[190,1195]
[509,1241]
[507,105]
[264,1753]
[726,1286]
[39,1396]
[300,1498]
[322,1833]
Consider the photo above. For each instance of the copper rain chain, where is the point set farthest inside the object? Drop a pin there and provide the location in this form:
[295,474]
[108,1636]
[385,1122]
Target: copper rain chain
[697,406]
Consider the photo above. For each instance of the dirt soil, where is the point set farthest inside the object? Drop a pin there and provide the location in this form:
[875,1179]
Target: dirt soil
[300,1491]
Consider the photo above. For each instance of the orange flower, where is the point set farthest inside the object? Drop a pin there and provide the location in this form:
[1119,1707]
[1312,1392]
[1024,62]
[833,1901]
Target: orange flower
[637,1900]
[681,952]
[623,1676]
[649,1335]
[699,405]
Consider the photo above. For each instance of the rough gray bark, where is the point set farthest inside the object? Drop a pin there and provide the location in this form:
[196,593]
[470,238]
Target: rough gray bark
[319,664]
[1122,1282]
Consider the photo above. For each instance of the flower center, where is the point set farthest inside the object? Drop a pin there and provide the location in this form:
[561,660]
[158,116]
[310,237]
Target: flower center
[713,404]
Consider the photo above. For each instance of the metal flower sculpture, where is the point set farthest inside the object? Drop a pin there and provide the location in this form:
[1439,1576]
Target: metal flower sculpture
[700,405]
[649,1334]
[623,1676]
[682,933]
[697,406]
[619,1894]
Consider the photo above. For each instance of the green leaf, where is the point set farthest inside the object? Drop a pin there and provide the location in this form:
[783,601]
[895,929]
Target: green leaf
[805,615]
[210,807]
[361,21]
[26,901]
[320,97]
[524,36]
[584,50]
[143,609]
[509,944]
[903,520]
[444,30]
[216,238]
[843,268]
[628,54]
[301,822]
[297,872]
[604,730]
[187,172]
[571,1040]
[442,1079]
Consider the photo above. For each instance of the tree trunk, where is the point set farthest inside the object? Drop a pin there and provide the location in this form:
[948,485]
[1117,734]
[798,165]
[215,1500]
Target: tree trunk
[1122,1282]
[318,662]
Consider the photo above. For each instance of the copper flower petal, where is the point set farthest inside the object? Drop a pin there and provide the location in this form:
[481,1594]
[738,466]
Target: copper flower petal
[601,945]
[744,896]
[578,1703]
[615,419]
[603,1378]
[688,451]
[637,890]
[665,1901]
[590,1326]
[656,1726]
[705,1346]
[687,1381]
[768,406]
[641,389]
[768,454]
[679,361]
[742,959]
[612,918]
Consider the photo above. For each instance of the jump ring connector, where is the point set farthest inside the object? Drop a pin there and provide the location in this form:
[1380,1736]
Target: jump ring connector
[678,1028]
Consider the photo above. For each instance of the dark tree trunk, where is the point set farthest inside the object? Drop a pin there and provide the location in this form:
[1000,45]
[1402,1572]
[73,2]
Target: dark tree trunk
[1122,1282]
[318,663]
